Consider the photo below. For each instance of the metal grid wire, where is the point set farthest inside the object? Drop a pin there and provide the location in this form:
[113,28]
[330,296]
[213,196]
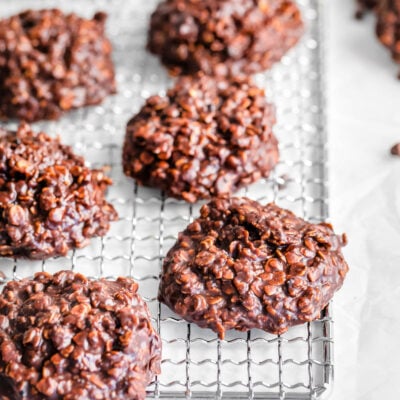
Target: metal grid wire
[196,364]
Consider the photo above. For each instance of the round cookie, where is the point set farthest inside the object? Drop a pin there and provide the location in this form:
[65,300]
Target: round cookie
[226,37]
[205,138]
[50,202]
[65,337]
[52,62]
[388,26]
[243,265]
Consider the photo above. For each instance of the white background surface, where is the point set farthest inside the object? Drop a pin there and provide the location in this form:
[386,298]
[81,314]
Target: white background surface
[364,122]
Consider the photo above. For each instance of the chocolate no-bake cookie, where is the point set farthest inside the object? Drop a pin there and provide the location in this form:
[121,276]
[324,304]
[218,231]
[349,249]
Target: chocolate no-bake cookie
[388,26]
[50,201]
[243,265]
[223,37]
[52,62]
[207,137]
[65,337]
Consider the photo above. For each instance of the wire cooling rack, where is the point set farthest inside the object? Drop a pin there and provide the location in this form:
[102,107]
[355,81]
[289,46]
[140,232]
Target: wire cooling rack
[196,364]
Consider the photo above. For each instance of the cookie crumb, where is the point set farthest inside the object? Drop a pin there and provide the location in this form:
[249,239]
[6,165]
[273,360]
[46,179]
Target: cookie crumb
[395,150]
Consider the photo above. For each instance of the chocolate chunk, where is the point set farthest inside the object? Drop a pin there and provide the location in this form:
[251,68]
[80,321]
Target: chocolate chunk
[65,337]
[207,137]
[223,37]
[242,265]
[365,5]
[52,62]
[388,26]
[50,202]
[395,150]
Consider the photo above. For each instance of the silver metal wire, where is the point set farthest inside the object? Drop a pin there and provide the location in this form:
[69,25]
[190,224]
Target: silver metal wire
[196,364]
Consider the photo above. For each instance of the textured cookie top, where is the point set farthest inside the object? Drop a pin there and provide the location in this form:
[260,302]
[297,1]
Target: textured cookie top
[51,62]
[223,37]
[388,26]
[242,265]
[50,201]
[65,337]
[204,138]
